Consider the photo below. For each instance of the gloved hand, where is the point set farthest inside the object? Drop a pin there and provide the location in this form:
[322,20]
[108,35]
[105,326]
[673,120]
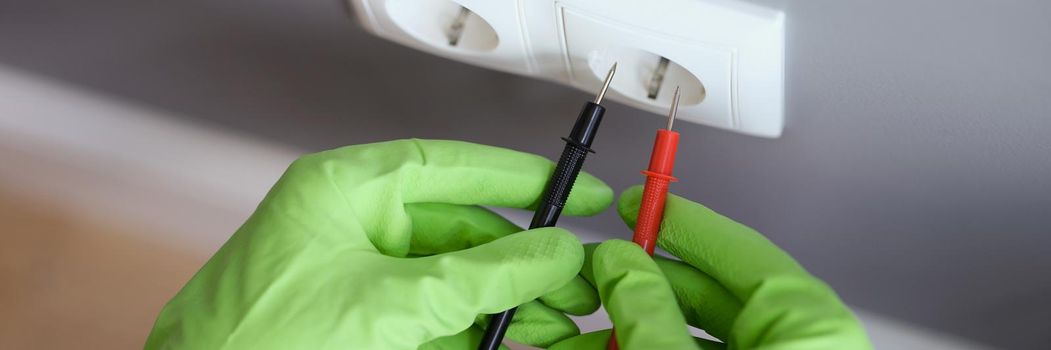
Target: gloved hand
[384,246]
[732,282]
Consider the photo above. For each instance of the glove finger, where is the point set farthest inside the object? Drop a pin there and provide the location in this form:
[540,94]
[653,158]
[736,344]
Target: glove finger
[577,298]
[455,287]
[466,173]
[706,344]
[468,339]
[703,301]
[366,187]
[535,324]
[639,299]
[597,340]
[441,228]
[714,244]
[588,271]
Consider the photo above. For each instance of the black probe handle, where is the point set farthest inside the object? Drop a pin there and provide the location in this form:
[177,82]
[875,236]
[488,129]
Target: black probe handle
[559,186]
[578,144]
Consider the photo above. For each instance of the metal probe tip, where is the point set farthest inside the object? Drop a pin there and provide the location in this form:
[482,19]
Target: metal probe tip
[674,108]
[605,85]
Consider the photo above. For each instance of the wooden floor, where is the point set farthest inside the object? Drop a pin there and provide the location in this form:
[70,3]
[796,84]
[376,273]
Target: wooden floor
[69,282]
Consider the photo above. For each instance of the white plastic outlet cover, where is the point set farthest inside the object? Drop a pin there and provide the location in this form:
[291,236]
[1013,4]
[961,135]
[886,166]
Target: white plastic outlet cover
[727,56]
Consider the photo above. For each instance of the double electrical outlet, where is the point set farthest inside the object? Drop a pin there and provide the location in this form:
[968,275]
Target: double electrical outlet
[726,56]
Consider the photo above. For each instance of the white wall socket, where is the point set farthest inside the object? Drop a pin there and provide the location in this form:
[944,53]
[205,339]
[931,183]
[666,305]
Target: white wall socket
[727,56]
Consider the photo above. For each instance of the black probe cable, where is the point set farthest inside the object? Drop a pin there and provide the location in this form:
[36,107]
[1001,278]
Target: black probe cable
[578,144]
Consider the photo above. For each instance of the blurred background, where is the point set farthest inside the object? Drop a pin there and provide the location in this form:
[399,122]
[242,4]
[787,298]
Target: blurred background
[914,174]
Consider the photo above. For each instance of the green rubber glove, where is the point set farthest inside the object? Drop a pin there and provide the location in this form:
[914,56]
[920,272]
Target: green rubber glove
[384,246]
[732,282]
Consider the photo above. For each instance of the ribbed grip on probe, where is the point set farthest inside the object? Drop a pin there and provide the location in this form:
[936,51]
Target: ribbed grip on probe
[651,211]
[561,182]
[560,185]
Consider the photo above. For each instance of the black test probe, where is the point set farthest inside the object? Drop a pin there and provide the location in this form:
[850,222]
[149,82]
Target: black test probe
[578,144]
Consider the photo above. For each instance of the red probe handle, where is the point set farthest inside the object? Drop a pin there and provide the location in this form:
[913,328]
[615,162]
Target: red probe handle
[651,211]
[658,176]
[654,194]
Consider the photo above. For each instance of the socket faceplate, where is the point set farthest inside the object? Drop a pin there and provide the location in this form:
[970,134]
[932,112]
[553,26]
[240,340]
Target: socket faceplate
[726,55]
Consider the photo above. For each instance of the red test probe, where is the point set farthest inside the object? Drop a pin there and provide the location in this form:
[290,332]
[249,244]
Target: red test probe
[658,177]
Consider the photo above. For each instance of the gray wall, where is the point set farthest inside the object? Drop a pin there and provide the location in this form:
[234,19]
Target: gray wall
[914,174]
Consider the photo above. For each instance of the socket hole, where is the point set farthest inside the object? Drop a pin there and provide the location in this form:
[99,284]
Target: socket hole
[443,23]
[636,70]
